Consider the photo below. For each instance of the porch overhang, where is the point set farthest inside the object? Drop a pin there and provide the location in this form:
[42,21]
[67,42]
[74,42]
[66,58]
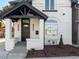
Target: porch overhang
[23,16]
[19,6]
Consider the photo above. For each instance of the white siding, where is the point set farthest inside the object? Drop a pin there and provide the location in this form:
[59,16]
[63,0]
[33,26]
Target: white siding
[39,4]
[17,33]
[63,15]
[34,21]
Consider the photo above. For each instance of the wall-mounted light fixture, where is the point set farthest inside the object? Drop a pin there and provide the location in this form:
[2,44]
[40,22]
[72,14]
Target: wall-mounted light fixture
[18,27]
[33,27]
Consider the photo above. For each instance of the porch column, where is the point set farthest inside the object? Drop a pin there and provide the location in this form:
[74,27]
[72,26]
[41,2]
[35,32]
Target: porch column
[9,42]
[41,32]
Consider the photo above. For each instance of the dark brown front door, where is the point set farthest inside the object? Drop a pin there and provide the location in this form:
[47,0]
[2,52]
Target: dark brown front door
[25,29]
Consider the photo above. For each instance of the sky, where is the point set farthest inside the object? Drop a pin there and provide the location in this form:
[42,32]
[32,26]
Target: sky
[3,3]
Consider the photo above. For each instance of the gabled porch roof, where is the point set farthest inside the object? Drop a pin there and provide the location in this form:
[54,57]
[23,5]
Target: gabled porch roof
[20,6]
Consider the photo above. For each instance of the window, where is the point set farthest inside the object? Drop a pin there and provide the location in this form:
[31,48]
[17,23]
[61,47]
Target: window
[51,28]
[49,4]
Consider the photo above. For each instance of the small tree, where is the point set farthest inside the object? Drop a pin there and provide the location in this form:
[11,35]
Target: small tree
[61,44]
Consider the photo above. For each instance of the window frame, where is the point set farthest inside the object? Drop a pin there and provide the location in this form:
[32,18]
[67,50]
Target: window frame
[51,3]
[49,7]
[50,24]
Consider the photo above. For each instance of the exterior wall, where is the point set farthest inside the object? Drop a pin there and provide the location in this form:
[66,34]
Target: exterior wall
[37,44]
[34,22]
[17,34]
[34,44]
[17,31]
[75,21]
[63,16]
[75,27]
[40,4]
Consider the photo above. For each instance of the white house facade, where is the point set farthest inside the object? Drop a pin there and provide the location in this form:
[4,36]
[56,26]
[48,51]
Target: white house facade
[38,23]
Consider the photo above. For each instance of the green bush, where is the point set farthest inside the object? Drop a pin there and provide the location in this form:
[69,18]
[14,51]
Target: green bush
[32,49]
[61,44]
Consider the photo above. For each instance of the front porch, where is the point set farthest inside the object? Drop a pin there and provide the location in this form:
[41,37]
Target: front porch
[28,26]
[32,34]
[19,51]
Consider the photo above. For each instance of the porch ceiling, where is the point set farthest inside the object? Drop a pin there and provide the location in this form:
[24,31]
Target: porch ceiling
[22,9]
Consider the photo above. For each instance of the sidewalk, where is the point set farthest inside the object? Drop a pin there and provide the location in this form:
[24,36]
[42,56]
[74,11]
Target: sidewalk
[19,52]
[3,53]
[71,57]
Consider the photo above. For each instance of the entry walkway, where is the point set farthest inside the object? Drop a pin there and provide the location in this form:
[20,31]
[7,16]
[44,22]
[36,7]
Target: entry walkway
[19,52]
[3,53]
[71,57]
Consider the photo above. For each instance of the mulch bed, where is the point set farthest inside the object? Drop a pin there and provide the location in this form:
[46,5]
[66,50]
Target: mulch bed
[54,51]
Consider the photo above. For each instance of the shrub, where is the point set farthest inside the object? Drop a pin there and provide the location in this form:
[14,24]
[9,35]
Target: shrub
[32,49]
[61,44]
